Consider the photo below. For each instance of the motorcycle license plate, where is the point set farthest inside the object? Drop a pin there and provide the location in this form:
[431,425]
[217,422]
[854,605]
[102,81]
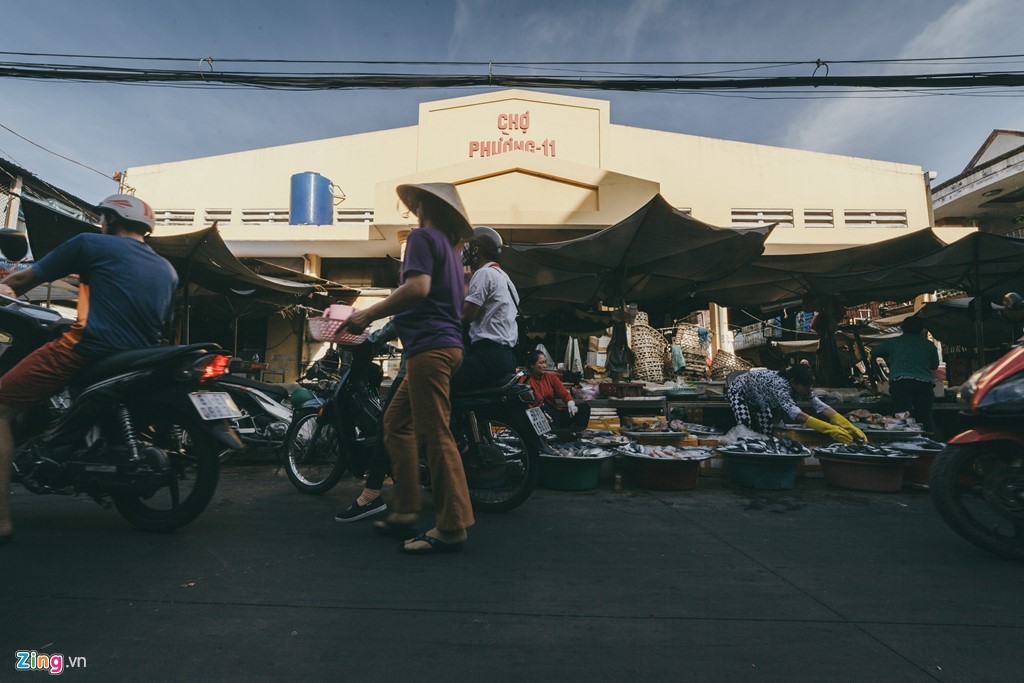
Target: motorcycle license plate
[214,405]
[539,420]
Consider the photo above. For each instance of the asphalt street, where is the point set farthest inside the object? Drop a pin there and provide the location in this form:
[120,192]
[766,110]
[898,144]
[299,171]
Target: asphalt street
[714,584]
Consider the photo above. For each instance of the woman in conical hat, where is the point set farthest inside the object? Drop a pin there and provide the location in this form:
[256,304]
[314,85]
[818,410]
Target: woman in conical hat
[427,310]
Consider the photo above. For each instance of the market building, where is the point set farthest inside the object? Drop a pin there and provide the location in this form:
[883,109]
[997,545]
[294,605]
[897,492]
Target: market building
[536,166]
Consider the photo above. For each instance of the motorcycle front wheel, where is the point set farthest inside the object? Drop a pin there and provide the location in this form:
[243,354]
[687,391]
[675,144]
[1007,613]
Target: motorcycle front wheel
[192,460]
[312,454]
[979,491]
[502,470]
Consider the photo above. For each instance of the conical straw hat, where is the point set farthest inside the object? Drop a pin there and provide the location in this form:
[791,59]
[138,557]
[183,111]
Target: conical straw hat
[445,198]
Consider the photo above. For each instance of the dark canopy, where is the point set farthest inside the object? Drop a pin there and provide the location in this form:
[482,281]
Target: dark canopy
[773,281]
[657,256]
[952,321]
[980,264]
[200,258]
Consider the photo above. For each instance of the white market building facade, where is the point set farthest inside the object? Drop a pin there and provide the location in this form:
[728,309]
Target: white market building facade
[538,167]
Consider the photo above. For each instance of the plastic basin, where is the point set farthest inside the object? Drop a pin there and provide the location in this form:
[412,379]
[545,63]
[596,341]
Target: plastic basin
[763,472]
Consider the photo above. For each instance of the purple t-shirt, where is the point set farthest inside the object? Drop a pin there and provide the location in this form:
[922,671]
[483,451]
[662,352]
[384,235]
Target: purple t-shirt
[434,322]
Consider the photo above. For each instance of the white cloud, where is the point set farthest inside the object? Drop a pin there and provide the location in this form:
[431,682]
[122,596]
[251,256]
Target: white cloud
[843,125]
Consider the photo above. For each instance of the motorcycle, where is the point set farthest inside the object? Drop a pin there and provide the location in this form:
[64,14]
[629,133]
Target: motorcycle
[265,407]
[977,482]
[137,429]
[497,437]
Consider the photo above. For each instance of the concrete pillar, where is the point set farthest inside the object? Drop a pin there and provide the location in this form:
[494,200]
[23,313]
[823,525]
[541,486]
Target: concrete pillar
[14,204]
[721,338]
[311,265]
[403,237]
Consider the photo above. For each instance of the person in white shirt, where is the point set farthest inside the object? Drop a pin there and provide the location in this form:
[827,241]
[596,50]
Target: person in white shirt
[490,309]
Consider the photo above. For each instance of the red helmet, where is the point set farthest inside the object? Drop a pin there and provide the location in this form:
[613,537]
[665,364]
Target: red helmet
[130,209]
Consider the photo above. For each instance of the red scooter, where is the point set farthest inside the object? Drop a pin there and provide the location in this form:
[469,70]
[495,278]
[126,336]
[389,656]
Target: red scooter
[977,482]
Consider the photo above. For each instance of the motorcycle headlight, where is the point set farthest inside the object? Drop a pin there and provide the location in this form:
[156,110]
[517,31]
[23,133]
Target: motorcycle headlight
[965,394]
[1007,397]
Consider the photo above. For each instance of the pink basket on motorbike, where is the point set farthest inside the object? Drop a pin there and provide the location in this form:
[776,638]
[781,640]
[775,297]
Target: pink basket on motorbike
[326,328]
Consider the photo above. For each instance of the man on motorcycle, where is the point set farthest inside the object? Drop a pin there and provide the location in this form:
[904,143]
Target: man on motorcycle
[490,310]
[125,299]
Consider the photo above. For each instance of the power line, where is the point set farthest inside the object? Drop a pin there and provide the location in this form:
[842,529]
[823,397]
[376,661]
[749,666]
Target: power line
[342,81]
[890,60]
[58,154]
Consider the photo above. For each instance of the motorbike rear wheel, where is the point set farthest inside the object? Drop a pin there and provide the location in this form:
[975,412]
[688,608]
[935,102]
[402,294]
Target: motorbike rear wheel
[312,454]
[194,470]
[979,491]
[502,471]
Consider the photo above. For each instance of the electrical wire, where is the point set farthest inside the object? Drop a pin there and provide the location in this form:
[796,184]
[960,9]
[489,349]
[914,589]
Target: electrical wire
[57,154]
[890,60]
[342,81]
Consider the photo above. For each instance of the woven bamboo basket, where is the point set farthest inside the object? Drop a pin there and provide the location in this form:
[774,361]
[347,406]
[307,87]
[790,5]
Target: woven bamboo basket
[687,338]
[725,362]
[651,349]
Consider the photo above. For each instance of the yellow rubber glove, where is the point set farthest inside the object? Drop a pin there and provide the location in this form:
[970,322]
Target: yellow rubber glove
[840,421]
[835,433]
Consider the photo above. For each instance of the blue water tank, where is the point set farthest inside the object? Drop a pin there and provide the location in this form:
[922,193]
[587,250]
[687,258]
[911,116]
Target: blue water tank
[312,202]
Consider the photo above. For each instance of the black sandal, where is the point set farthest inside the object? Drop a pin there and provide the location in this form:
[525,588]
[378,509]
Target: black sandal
[434,545]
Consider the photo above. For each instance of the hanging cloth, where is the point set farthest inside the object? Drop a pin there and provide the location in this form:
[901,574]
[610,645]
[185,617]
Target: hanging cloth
[573,361]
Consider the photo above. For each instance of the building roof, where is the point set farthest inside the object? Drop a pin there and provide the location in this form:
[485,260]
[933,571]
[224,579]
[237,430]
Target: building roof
[40,187]
[989,192]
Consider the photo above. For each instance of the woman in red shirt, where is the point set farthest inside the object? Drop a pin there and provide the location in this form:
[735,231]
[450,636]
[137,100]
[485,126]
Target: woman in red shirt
[552,396]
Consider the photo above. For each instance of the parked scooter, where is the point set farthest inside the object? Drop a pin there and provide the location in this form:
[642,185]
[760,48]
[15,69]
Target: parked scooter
[977,482]
[266,408]
[139,429]
[499,443]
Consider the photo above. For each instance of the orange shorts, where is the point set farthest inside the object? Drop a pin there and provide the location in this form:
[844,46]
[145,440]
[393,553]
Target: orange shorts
[40,375]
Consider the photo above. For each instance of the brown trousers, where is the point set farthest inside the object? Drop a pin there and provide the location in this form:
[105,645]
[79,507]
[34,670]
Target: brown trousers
[418,421]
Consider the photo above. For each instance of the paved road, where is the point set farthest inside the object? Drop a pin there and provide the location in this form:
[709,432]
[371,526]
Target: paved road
[714,584]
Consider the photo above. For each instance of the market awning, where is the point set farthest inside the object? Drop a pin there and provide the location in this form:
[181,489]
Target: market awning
[980,264]
[200,258]
[952,322]
[773,281]
[657,256]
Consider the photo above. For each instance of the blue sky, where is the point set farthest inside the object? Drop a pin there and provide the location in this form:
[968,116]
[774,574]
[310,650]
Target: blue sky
[112,127]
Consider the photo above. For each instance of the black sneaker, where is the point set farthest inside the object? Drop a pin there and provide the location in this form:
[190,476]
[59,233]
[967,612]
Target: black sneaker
[356,511]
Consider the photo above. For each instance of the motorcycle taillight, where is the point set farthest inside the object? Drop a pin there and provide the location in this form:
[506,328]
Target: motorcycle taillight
[207,368]
[528,397]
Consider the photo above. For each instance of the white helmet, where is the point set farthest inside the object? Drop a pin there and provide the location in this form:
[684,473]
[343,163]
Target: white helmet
[130,209]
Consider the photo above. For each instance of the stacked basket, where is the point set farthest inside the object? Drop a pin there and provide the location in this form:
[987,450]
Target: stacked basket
[725,362]
[651,349]
[687,338]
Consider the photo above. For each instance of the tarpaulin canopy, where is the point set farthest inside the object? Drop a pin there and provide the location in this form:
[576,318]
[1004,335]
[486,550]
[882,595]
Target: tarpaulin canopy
[199,257]
[773,281]
[657,256]
[980,264]
[952,322]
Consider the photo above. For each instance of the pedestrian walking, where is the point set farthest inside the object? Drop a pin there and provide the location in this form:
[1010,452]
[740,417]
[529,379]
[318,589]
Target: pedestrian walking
[427,309]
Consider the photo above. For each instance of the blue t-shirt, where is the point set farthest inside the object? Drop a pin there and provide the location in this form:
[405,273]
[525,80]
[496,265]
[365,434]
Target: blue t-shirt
[436,321]
[126,294]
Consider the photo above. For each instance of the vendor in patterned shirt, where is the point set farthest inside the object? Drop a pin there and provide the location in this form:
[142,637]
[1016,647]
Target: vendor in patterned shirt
[760,398]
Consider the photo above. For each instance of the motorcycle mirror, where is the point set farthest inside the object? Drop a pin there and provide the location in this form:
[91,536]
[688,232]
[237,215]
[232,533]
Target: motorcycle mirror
[13,244]
[1013,306]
